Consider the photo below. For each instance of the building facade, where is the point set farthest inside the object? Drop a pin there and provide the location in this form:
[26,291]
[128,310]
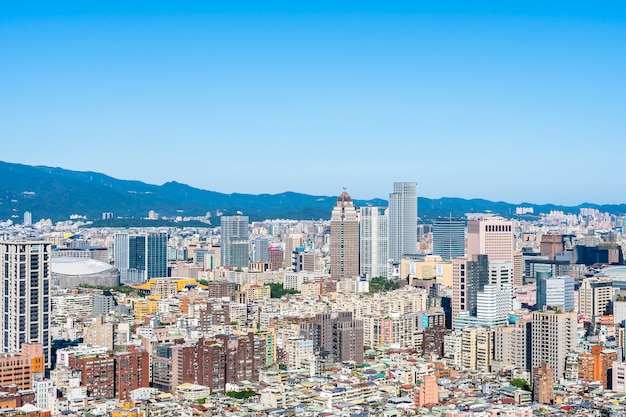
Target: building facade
[25,291]
[344,239]
[402,218]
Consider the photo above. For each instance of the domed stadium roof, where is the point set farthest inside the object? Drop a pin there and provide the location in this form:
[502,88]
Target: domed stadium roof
[67,265]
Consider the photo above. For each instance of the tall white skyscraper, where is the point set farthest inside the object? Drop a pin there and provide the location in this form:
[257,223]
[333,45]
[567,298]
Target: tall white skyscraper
[235,241]
[374,244]
[402,220]
[25,295]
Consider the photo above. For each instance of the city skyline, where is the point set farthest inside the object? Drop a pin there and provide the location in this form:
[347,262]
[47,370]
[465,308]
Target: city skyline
[502,102]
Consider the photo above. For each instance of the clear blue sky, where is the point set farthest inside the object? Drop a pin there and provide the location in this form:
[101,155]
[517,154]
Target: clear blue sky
[514,101]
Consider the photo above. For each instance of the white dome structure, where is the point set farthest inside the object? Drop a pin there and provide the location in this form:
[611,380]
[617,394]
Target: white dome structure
[70,272]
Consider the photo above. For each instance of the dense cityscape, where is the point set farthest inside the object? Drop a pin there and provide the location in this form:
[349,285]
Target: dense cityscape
[370,312]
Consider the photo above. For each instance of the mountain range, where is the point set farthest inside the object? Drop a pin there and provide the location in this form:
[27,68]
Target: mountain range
[57,193]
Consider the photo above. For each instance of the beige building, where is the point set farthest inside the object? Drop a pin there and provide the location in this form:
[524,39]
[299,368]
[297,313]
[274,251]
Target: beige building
[594,296]
[553,337]
[432,267]
[344,239]
[491,236]
[100,333]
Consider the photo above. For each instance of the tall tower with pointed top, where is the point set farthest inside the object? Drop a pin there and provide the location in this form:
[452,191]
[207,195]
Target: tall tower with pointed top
[344,239]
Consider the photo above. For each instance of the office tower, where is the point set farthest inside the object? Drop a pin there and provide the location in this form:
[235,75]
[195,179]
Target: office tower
[344,239]
[449,238]
[402,220]
[28,218]
[558,291]
[551,245]
[275,258]
[513,344]
[293,241]
[235,242]
[553,337]
[543,384]
[374,244]
[140,257]
[25,291]
[491,236]
[336,334]
[469,276]
[595,296]
[261,249]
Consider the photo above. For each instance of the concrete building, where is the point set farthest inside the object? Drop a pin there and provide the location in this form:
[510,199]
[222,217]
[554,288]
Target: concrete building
[17,368]
[491,236]
[469,276]
[543,384]
[235,247]
[344,239]
[140,257]
[595,297]
[449,238]
[374,242]
[402,220]
[557,291]
[553,337]
[25,271]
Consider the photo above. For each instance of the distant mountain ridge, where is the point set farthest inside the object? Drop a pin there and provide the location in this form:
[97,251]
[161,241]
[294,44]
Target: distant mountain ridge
[57,193]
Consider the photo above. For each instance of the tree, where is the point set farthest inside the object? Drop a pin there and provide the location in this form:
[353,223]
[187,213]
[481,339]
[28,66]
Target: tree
[521,383]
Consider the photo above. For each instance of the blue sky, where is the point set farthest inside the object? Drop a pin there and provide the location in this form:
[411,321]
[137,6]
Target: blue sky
[512,101]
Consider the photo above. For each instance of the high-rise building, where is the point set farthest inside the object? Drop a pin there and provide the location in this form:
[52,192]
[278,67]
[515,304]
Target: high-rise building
[235,241]
[551,245]
[344,239]
[374,244]
[449,238]
[293,241]
[28,218]
[596,365]
[595,297]
[469,276]
[140,257]
[513,344]
[557,291]
[336,334]
[402,220]
[491,236]
[261,249]
[25,291]
[553,337]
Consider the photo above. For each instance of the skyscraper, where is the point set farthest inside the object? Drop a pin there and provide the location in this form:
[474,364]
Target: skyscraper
[235,242]
[402,218]
[557,291]
[595,297]
[449,238]
[553,336]
[25,291]
[261,249]
[469,276]
[344,239]
[491,236]
[140,257]
[374,243]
